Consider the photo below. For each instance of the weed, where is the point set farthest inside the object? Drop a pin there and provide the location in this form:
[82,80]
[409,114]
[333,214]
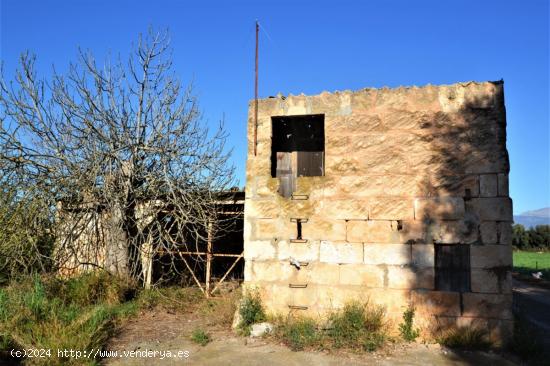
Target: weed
[51,313]
[407,327]
[357,325]
[175,299]
[199,336]
[220,310]
[465,337]
[251,311]
[299,333]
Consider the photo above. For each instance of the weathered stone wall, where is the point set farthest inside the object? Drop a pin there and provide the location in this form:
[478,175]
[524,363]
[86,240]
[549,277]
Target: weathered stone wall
[405,169]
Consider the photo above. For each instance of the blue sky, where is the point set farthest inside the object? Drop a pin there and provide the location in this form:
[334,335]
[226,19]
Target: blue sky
[311,46]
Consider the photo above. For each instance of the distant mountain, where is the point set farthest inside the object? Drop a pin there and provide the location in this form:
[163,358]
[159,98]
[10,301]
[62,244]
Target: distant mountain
[534,217]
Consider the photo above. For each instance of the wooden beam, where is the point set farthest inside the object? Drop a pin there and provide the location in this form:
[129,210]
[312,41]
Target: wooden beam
[226,273]
[208,259]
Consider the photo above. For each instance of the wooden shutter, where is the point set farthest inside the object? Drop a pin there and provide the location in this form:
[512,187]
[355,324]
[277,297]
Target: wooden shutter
[310,163]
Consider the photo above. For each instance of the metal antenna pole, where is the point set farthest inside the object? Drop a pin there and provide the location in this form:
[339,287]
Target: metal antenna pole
[256,93]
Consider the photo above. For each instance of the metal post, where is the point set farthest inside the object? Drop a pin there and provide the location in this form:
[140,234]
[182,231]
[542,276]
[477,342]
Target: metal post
[256,93]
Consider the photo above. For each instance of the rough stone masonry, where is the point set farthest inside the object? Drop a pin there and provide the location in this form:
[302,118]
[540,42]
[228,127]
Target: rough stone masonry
[399,196]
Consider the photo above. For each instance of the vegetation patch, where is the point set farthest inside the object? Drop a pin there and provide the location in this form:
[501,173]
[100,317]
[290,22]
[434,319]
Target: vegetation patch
[528,262]
[79,313]
[406,329]
[356,327]
[199,336]
[299,333]
[251,311]
[465,337]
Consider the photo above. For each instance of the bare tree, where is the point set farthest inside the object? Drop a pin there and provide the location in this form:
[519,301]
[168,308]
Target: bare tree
[121,151]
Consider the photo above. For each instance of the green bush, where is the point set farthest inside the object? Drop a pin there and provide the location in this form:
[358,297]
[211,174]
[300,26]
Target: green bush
[199,336]
[50,313]
[406,328]
[358,325]
[251,311]
[299,333]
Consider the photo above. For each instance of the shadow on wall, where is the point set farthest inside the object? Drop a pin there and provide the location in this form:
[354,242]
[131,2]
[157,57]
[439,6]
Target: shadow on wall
[463,211]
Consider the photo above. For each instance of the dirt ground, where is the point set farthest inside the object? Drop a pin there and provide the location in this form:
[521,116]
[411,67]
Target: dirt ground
[162,331]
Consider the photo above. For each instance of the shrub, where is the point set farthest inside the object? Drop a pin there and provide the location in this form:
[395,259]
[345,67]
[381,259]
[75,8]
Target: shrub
[465,337]
[50,313]
[406,328]
[299,333]
[251,311]
[199,336]
[357,325]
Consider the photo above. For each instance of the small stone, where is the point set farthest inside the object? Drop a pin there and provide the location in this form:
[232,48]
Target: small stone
[260,329]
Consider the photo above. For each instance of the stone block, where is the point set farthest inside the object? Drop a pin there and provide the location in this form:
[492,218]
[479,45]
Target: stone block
[490,256]
[372,231]
[492,209]
[290,208]
[488,185]
[361,275]
[454,232]
[505,233]
[304,252]
[271,271]
[320,274]
[341,252]
[453,185]
[423,255]
[262,209]
[392,254]
[403,277]
[346,209]
[449,208]
[266,186]
[415,231]
[391,208]
[490,282]
[248,276]
[395,301]
[259,249]
[488,232]
[324,229]
[503,190]
[497,306]
[266,229]
[436,302]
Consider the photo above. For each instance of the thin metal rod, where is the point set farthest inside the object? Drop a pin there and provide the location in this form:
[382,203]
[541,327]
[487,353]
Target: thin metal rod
[198,253]
[256,93]
[228,271]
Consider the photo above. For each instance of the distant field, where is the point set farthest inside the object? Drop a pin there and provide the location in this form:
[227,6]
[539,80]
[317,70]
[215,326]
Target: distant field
[529,262]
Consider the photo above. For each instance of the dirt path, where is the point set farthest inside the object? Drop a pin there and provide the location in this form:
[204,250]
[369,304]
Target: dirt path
[533,303]
[170,332]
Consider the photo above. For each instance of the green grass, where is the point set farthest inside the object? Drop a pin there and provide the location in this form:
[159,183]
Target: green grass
[79,313]
[356,327]
[251,311]
[528,262]
[199,336]
[83,312]
[465,337]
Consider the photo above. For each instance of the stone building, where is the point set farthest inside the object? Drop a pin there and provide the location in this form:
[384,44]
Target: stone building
[399,196]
